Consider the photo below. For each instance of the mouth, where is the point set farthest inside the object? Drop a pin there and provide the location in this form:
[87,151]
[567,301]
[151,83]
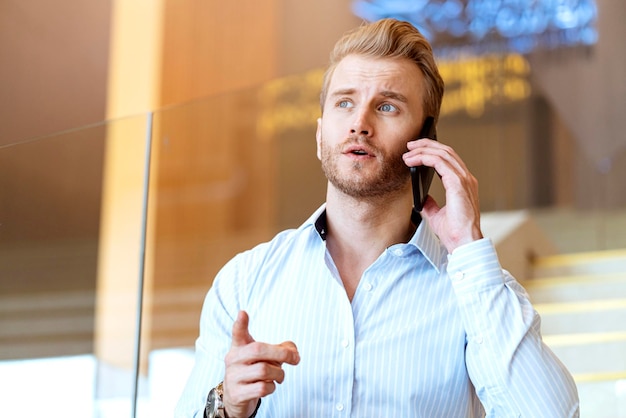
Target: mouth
[358,151]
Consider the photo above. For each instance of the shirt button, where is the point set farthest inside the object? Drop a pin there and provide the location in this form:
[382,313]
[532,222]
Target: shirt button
[368,286]
[479,339]
[339,407]
[459,275]
[345,343]
[398,252]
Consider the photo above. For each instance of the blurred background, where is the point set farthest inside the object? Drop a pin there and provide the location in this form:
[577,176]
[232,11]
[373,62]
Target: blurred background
[143,143]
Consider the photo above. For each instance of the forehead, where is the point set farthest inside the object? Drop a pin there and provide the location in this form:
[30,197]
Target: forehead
[362,73]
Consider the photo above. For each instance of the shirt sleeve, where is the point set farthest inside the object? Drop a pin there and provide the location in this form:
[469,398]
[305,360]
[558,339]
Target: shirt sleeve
[514,373]
[216,320]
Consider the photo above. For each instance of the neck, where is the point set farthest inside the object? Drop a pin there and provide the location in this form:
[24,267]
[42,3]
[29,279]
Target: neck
[359,231]
[361,222]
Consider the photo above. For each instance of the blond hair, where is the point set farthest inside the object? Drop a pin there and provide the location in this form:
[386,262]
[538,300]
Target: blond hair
[390,38]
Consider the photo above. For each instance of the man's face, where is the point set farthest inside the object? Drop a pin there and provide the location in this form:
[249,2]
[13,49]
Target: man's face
[372,109]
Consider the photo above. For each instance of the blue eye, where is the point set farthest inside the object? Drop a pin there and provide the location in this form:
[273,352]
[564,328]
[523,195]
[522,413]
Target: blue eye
[388,107]
[344,104]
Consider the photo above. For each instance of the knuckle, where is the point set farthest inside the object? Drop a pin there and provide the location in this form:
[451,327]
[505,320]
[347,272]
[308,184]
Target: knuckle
[266,388]
[256,349]
[264,369]
[447,149]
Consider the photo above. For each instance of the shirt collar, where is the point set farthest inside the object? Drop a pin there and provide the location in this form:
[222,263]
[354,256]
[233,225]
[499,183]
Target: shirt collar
[429,245]
[424,238]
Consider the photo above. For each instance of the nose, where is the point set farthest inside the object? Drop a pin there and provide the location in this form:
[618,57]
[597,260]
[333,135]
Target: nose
[362,124]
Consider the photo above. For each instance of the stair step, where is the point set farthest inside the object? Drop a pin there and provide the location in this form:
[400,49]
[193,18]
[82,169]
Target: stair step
[44,324]
[59,346]
[587,263]
[590,353]
[591,378]
[43,301]
[607,315]
[576,288]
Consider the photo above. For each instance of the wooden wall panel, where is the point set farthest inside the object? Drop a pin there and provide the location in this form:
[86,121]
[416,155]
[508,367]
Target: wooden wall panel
[53,70]
[211,47]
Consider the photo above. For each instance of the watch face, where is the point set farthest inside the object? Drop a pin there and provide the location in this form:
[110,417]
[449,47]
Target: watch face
[214,406]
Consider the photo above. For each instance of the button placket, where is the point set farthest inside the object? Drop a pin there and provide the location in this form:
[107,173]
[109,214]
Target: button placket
[345,348]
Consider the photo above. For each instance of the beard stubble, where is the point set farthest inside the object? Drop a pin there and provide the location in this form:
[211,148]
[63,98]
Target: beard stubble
[372,179]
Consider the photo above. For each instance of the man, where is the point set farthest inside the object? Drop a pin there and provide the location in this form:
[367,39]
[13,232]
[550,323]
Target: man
[365,310]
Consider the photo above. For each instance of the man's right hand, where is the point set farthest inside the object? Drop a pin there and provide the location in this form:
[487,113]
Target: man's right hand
[253,369]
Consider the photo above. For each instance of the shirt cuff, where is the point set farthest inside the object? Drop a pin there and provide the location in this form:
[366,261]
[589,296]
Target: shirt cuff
[475,266]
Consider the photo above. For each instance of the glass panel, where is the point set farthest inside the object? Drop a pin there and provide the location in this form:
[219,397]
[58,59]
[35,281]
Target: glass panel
[63,333]
[231,171]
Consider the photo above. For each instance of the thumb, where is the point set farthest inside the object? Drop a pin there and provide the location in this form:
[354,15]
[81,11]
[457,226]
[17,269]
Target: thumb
[241,335]
[430,208]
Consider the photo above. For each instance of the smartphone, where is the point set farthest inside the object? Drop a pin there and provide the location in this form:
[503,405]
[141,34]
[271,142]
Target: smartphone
[422,176]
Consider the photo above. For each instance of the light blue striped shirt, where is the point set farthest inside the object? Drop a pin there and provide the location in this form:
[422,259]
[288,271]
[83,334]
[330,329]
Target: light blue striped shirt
[427,334]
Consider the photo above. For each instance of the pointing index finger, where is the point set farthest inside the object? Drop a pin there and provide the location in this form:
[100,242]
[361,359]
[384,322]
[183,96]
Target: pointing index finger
[241,335]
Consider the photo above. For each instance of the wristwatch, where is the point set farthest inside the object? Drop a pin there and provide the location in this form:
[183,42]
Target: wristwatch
[215,403]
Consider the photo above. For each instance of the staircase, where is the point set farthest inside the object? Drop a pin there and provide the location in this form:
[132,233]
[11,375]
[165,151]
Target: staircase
[581,298]
[46,324]
[47,298]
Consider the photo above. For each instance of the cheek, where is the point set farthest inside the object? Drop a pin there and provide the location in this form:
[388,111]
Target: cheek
[395,146]
[327,137]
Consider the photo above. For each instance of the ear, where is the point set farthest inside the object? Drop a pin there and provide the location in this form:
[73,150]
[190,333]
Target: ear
[318,138]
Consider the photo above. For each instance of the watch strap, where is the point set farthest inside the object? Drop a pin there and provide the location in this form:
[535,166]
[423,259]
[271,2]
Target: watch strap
[256,409]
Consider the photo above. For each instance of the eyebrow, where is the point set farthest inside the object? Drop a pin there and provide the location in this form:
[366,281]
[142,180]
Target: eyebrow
[386,93]
[394,95]
[342,92]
